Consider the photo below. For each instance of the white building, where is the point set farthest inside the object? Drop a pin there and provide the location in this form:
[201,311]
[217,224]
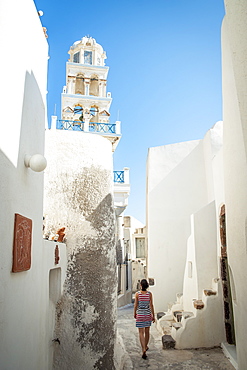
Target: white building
[79,196]
[183,208]
[234,62]
[31,275]
[196,202]
[135,241]
[121,194]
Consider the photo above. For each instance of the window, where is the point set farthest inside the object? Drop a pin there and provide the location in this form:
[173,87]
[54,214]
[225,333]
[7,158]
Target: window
[94,112]
[76,57]
[88,59]
[140,247]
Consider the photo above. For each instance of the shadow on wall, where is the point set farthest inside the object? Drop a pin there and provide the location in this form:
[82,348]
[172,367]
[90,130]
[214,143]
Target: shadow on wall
[17,180]
[32,135]
[22,192]
[86,320]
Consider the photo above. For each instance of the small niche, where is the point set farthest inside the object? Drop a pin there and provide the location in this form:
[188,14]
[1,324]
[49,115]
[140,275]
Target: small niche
[55,285]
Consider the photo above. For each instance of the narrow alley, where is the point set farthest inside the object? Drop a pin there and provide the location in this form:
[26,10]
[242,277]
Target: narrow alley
[210,359]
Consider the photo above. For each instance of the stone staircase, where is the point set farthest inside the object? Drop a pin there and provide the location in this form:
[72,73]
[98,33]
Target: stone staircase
[171,319]
[178,327]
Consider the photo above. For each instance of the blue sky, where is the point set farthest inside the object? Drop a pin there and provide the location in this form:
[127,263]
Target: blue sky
[165,70]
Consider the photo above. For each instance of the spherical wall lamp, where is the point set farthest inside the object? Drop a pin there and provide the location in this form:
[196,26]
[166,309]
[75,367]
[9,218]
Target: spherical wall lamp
[36,162]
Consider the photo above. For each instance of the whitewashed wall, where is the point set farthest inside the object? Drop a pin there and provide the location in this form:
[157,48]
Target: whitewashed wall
[174,192]
[206,327]
[184,237]
[25,321]
[79,197]
[181,179]
[234,62]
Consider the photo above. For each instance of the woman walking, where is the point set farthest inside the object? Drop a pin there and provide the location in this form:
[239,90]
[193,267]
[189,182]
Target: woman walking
[144,315]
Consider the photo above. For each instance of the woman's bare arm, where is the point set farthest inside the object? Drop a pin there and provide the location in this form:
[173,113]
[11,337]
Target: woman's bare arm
[136,304]
[152,306]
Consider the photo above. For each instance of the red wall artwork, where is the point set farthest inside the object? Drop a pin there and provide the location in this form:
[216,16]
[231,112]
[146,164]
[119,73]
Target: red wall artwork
[22,244]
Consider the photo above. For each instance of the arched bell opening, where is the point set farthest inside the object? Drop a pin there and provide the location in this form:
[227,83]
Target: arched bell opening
[79,84]
[94,86]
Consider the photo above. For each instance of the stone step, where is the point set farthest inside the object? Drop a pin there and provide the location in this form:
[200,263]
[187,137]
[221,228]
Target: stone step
[187,314]
[209,292]
[168,316]
[198,304]
[160,314]
[168,342]
[165,327]
[178,315]
[177,325]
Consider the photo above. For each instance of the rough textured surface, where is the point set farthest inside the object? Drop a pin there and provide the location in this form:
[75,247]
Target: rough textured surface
[80,198]
[209,292]
[160,314]
[158,358]
[198,304]
[168,342]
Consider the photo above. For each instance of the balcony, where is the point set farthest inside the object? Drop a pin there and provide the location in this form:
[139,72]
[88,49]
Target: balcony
[109,128]
[121,190]
[118,176]
[110,131]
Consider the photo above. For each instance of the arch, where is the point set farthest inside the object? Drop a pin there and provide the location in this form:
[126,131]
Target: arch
[94,110]
[79,84]
[94,85]
[78,112]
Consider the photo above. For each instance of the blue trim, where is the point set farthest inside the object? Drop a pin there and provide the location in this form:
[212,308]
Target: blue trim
[118,176]
[97,127]
[87,96]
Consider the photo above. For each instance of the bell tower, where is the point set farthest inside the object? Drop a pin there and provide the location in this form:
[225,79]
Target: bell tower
[85,101]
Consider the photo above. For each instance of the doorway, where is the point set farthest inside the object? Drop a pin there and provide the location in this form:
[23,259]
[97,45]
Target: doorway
[226,284]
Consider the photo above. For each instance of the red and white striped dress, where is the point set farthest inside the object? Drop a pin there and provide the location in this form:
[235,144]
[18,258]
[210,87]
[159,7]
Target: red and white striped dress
[143,314]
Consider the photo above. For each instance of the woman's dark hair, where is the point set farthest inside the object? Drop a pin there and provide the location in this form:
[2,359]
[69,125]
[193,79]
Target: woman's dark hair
[144,284]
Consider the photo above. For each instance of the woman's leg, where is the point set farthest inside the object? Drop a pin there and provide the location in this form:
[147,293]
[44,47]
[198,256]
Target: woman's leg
[142,338]
[147,331]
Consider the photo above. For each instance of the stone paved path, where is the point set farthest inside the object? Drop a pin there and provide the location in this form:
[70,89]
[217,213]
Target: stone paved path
[208,359]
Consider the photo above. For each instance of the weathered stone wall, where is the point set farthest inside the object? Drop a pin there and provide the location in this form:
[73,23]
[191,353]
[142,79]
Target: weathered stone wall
[78,196]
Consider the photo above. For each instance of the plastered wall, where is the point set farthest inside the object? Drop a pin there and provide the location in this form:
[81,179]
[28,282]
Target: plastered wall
[234,69]
[25,321]
[180,181]
[78,196]
[170,203]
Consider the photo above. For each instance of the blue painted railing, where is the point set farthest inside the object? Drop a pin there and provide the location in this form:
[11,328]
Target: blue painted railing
[66,124]
[93,126]
[102,127]
[118,176]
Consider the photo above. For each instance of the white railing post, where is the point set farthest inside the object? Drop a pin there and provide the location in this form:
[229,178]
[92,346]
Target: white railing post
[86,117]
[126,175]
[118,127]
[53,122]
